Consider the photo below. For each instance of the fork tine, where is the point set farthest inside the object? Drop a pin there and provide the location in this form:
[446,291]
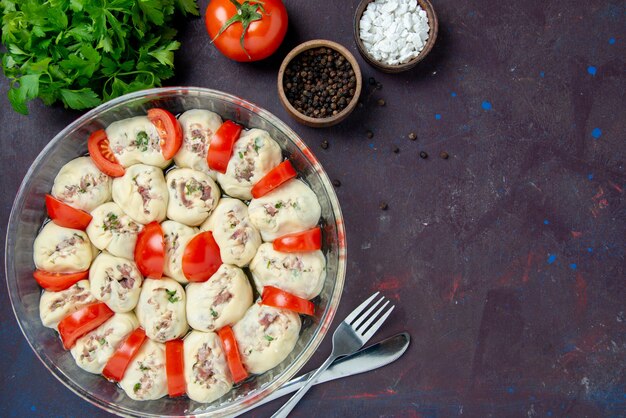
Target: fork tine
[365,316]
[359,309]
[367,321]
[377,325]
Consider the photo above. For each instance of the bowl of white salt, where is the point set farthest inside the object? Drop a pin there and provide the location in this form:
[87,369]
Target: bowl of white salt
[394,35]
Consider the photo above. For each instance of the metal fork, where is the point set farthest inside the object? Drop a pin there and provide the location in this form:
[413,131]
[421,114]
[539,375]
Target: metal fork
[349,336]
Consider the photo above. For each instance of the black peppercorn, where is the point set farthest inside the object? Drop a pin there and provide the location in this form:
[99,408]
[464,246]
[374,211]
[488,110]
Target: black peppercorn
[412,136]
[369,134]
[336,183]
[423,154]
[372,81]
[383,205]
[324,144]
[381,102]
[319,82]
[395,149]
[443,155]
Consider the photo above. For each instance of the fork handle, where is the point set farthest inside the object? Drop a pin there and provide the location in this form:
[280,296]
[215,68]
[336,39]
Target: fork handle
[291,403]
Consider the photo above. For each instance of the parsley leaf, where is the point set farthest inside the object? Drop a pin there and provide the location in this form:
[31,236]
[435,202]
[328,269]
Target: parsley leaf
[171,296]
[82,52]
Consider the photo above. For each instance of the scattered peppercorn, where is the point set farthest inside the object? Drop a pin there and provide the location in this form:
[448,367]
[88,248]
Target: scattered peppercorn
[395,149]
[369,134]
[319,82]
[381,102]
[372,81]
[383,205]
[324,144]
[423,154]
[336,183]
[412,136]
[444,155]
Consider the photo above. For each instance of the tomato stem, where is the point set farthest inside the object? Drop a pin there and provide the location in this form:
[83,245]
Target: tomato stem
[247,12]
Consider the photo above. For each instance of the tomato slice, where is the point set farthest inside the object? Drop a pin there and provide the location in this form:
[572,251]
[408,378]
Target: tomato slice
[221,147]
[174,362]
[277,176]
[118,363]
[309,240]
[102,156]
[64,215]
[170,131]
[55,282]
[79,323]
[150,251]
[201,257]
[229,343]
[273,296]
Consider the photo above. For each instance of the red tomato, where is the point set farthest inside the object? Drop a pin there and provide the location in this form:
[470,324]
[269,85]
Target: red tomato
[150,251]
[79,323]
[309,240]
[201,257]
[273,296]
[55,282]
[170,131]
[277,176]
[64,215]
[229,343]
[221,147]
[102,156]
[118,363]
[246,31]
[174,362]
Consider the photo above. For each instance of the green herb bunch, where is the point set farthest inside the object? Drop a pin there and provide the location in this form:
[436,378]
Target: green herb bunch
[84,52]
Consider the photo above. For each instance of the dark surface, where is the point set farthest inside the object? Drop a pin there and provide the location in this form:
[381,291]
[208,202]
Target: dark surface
[506,261]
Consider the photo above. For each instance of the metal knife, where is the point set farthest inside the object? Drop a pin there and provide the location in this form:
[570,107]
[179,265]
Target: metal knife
[369,358]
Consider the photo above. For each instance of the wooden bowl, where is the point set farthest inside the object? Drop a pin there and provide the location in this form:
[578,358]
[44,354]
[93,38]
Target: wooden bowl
[432,37]
[331,120]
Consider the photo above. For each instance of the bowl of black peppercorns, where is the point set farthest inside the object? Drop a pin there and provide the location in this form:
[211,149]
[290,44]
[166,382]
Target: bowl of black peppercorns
[319,83]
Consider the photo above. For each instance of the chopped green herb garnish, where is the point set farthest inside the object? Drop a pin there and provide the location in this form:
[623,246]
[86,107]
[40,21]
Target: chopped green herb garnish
[171,296]
[136,387]
[143,368]
[240,155]
[278,205]
[258,143]
[213,313]
[111,222]
[268,263]
[191,187]
[269,338]
[102,341]
[142,141]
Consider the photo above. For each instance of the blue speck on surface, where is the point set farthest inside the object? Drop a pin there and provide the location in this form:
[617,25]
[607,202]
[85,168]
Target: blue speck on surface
[612,41]
[437,116]
[573,266]
[510,389]
[589,249]
[542,74]
[590,176]
[486,105]
[372,145]
[546,222]
[569,347]
[596,133]
[453,94]
[551,258]
[33,408]
[549,413]
[592,70]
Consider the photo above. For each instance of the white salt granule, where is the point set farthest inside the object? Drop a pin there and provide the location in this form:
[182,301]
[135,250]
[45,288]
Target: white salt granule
[394,31]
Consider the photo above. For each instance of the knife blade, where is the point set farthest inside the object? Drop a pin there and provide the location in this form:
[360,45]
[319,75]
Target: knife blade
[367,359]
